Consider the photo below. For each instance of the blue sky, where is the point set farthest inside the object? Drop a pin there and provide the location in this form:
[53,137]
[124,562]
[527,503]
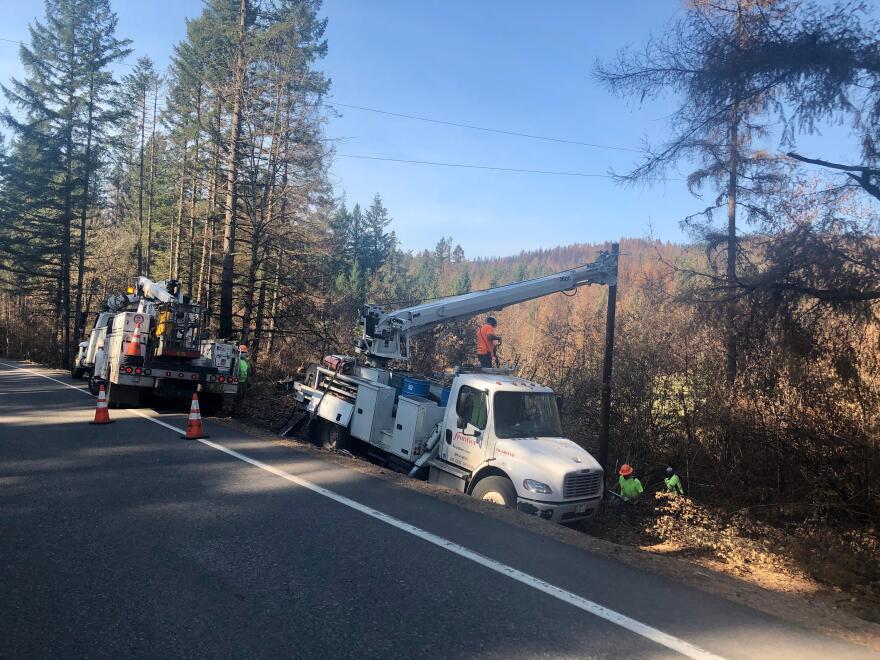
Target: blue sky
[513,65]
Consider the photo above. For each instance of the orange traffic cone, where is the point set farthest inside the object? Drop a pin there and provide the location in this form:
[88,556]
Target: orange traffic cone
[134,346]
[102,415]
[194,430]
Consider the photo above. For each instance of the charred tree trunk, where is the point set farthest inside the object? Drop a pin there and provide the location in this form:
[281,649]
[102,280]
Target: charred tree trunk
[208,237]
[229,220]
[273,309]
[152,186]
[83,214]
[175,252]
[140,241]
[194,194]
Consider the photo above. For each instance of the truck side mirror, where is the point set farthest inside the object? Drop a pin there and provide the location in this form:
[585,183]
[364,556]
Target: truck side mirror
[559,401]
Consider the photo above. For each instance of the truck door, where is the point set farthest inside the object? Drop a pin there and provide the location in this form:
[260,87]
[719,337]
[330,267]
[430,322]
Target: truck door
[465,438]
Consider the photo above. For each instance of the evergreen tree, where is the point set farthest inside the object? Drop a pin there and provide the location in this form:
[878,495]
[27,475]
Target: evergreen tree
[136,90]
[717,129]
[377,243]
[60,114]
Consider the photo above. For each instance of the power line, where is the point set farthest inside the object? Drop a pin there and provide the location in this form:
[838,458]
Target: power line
[483,128]
[445,122]
[483,167]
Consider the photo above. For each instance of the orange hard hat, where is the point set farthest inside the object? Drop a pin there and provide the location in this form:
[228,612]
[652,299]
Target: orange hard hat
[243,348]
[625,470]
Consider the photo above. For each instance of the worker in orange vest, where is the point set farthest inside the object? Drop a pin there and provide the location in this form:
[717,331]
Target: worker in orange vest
[487,342]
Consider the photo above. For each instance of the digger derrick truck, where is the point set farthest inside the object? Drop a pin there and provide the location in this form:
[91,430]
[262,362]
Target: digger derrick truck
[149,342]
[485,432]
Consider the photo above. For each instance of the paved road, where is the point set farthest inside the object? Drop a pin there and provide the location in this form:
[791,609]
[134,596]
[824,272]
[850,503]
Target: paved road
[126,541]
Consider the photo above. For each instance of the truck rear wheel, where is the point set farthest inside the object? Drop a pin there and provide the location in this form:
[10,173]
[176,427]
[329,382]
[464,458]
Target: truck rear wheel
[497,490]
[94,385]
[210,403]
[76,372]
[122,395]
[331,436]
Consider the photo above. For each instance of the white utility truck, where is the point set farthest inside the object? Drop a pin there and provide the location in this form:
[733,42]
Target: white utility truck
[485,432]
[149,342]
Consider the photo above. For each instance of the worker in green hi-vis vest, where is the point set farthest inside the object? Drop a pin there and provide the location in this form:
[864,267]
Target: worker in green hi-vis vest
[673,483]
[243,366]
[630,487]
[244,369]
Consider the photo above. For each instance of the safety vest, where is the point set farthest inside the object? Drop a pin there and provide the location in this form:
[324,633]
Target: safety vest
[673,484]
[243,369]
[630,488]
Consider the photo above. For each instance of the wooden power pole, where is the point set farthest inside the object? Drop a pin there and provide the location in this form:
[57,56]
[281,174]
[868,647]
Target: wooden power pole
[605,413]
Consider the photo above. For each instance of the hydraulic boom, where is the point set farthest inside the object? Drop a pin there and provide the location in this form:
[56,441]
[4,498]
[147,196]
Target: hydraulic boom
[386,335]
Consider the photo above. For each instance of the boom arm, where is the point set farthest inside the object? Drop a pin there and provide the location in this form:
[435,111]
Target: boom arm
[386,334]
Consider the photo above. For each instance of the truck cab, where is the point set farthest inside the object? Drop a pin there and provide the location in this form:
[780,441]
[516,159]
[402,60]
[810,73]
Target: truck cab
[502,442]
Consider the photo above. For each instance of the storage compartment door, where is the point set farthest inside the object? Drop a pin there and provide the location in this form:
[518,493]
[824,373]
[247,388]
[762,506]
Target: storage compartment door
[332,409]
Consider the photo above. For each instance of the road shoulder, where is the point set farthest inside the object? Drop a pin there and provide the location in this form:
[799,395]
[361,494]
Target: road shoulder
[811,611]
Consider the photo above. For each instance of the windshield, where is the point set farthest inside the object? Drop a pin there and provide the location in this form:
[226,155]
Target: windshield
[526,415]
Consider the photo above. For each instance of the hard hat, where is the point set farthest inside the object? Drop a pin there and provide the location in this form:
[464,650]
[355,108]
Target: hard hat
[669,470]
[491,320]
[243,348]
[625,470]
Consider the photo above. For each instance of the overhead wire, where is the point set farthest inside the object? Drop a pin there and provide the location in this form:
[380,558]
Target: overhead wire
[482,128]
[443,122]
[484,167]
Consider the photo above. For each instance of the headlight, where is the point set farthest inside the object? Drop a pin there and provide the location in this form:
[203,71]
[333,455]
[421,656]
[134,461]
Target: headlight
[537,487]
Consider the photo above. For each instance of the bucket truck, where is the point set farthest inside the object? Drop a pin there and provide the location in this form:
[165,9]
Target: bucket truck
[485,432]
[149,341]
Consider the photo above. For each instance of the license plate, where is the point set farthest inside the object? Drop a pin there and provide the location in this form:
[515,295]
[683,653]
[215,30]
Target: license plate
[580,508]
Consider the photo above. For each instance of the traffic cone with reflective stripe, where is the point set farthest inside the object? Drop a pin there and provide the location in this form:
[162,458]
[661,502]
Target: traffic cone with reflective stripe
[194,430]
[134,346]
[102,415]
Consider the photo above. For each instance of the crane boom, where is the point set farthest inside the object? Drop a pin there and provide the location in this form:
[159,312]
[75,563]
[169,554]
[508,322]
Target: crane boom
[386,335]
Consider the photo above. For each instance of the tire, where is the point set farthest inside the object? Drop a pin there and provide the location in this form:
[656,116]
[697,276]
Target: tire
[498,490]
[122,396]
[108,386]
[77,373]
[210,403]
[331,436]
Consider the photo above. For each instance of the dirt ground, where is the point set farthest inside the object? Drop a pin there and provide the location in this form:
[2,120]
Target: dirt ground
[807,574]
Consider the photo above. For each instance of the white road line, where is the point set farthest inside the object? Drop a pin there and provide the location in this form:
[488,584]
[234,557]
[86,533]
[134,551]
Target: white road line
[658,636]
[54,380]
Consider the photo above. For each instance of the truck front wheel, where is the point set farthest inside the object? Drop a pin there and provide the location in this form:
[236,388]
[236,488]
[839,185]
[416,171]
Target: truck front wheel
[498,490]
[331,436]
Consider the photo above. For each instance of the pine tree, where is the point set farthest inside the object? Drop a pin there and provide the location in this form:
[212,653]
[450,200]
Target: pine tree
[376,237]
[60,101]
[716,128]
[136,92]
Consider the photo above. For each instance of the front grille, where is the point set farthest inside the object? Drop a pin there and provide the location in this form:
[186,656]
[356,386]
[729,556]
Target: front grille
[582,484]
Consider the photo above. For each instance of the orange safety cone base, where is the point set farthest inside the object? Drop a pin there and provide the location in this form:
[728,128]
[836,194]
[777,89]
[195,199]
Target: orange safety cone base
[194,430]
[102,416]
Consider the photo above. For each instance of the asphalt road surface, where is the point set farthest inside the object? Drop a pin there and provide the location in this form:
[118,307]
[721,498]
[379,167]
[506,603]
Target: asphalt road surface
[124,541]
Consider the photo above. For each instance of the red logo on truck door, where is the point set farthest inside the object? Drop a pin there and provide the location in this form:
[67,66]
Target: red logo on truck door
[465,439]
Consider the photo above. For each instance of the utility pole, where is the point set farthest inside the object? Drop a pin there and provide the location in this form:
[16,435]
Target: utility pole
[605,413]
